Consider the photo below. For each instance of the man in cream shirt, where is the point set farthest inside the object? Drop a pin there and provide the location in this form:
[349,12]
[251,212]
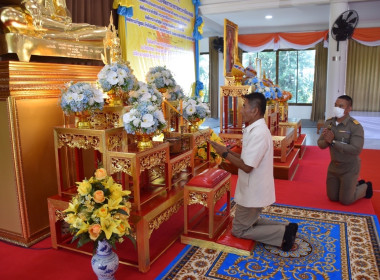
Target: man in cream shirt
[255,185]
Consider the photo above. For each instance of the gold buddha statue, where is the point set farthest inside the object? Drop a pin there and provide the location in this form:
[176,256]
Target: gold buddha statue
[47,19]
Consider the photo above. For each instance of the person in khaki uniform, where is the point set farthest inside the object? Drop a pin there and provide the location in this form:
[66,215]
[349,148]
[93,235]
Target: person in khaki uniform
[344,136]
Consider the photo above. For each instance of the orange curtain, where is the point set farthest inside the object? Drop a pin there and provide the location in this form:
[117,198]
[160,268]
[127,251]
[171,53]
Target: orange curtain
[306,38]
[301,38]
[367,34]
[256,40]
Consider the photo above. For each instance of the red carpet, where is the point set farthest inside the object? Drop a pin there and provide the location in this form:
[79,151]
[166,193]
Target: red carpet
[307,189]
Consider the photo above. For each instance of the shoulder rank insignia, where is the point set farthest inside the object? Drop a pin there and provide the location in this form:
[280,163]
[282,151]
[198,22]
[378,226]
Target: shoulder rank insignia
[355,121]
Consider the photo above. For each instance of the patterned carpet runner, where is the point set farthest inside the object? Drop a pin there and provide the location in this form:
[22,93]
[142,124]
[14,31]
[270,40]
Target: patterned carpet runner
[329,245]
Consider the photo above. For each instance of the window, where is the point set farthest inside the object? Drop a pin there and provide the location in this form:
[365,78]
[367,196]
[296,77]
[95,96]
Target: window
[204,75]
[292,70]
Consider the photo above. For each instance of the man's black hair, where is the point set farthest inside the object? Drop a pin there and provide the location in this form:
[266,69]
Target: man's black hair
[347,98]
[258,100]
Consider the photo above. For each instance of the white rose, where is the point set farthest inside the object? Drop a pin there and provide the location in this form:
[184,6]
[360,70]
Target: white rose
[190,110]
[136,122]
[121,73]
[112,78]
[147,121]
[68,97]
[128,117]
[150,79]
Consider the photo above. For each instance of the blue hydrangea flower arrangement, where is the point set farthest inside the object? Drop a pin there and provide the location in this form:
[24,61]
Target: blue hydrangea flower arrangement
[117,75]
[79,97]
[144,117]
[160,77]
[194,109]
[258,86]
[145,92]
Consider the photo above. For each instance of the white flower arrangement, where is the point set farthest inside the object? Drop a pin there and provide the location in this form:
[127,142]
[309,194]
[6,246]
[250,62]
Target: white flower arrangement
[160,77]
[79,97]
[116,75]
[144,117]
[145,93]
[194,109]
[175,94]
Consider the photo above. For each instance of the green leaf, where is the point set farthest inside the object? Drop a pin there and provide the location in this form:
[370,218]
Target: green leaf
[83,240]
[121,211]
[133,240]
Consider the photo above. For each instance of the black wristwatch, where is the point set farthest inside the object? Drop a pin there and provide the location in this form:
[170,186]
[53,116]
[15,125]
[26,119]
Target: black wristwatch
[225,154]
[332,143]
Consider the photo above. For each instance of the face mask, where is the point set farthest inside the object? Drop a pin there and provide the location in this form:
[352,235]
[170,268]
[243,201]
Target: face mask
[338,112]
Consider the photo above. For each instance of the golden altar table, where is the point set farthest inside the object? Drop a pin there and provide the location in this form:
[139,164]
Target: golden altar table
[154,176]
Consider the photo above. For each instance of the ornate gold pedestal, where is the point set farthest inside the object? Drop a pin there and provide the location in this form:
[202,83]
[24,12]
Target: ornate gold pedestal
[29,98]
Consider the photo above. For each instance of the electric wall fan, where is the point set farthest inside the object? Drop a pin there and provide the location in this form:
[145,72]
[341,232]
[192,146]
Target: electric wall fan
[344,26]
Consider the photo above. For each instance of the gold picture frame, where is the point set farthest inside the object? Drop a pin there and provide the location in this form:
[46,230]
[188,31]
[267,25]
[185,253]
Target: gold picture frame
[230,46]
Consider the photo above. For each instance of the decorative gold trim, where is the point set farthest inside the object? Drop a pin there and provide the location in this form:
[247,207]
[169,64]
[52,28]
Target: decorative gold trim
[59,215]
[164,216]
[177,167]
[201,138]
[231,140]
[198,198]
[79,141]
[234,91]
[219,194]
[276,143]
[114,142]
[121,165]
[152,160]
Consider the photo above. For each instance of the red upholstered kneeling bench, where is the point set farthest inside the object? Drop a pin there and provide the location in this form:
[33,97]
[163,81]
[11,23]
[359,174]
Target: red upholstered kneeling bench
[207,189]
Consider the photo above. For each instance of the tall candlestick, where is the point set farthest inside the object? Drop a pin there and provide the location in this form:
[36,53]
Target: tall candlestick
[181,113]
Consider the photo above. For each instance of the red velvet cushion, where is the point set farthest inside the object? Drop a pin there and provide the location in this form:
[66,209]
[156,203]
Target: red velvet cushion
[208,178]
[228,239]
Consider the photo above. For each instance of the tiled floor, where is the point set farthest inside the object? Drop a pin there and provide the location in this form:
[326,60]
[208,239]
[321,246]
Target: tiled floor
[311,132]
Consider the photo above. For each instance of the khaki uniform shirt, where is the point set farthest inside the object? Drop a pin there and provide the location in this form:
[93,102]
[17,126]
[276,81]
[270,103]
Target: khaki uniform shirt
[349,141]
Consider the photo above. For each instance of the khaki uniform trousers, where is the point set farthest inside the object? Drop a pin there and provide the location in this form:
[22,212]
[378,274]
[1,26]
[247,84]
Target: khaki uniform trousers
[341,182]
[247,224]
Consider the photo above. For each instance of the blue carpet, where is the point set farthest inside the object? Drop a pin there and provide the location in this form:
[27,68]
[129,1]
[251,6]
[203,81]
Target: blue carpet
[329,245]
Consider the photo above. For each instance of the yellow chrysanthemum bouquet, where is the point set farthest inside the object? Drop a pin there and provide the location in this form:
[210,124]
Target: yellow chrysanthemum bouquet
[202,149]
[100,211]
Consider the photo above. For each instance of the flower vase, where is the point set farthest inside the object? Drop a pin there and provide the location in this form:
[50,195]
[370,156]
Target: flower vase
[105,262]
[115,97]
[194,127]
[82,119]
[144,141]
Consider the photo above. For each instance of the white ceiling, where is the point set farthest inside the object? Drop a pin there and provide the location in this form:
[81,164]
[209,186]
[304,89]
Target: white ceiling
[288,15]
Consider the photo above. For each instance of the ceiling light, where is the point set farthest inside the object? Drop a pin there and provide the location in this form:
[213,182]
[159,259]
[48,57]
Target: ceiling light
[268,16]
